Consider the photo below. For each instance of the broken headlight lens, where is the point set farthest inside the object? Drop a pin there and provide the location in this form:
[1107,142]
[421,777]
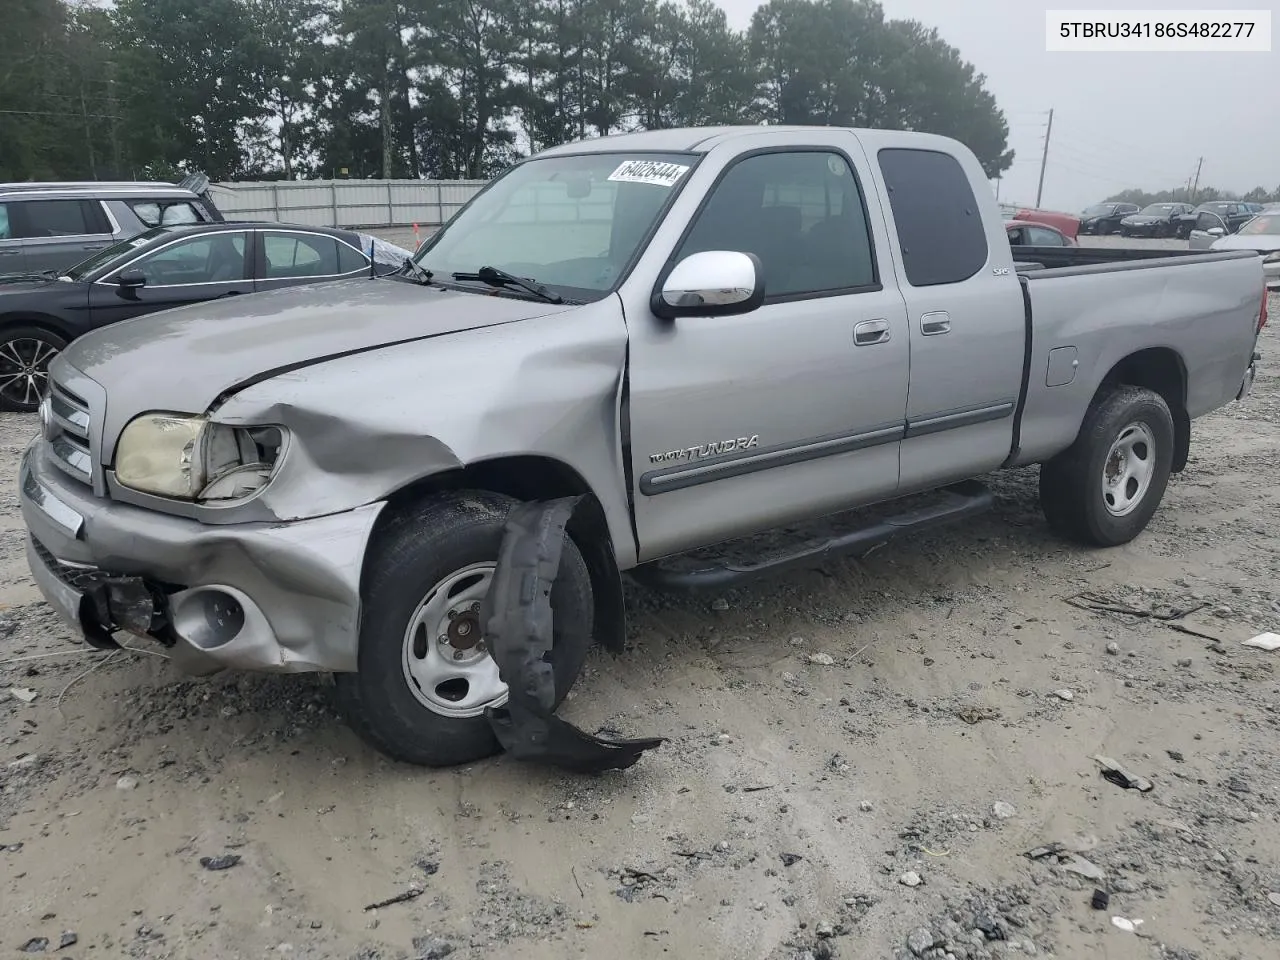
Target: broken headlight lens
[191,458]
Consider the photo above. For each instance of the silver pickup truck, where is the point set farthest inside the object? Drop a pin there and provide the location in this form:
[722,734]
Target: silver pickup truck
[741,348]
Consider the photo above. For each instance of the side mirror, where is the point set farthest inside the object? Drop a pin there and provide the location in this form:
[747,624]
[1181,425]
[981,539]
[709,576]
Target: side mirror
[1216,232]
[711,283]
[131,279]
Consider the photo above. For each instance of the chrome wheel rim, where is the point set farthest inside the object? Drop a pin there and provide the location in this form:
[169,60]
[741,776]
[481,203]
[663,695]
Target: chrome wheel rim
[24,370]
[445,658]
[1128,469]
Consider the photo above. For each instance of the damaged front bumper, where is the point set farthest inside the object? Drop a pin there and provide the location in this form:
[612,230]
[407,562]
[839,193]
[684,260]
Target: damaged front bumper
[281,597]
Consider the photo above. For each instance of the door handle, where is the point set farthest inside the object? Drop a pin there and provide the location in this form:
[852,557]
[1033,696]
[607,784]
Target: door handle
[935,323]
[869,332]
[9,253]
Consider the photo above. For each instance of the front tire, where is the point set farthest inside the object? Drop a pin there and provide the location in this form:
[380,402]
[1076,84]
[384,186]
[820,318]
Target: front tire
[25,353]
[1104,489]
[424,675]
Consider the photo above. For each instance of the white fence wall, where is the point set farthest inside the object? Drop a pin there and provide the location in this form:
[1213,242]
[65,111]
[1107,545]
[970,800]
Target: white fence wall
[346,203]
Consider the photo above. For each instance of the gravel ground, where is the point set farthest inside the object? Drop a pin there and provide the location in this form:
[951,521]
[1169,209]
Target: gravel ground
[859,760]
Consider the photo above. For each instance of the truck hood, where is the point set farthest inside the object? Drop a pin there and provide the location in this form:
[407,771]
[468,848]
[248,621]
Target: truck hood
[184,358]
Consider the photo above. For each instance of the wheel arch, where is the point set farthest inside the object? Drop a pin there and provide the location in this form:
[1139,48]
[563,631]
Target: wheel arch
[1162,370]
[537,477]
[42,320]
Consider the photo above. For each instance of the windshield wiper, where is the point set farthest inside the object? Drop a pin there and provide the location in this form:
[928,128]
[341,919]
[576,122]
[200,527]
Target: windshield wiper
[20,277]
[416,271]
[500,278]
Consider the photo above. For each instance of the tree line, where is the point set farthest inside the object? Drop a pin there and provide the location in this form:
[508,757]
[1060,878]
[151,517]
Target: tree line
[263,89]
[1199,195]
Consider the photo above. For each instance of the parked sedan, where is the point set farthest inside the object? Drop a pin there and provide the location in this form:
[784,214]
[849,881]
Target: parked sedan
[1262,234]
[1104,218]
[1023,234]
[1154,220]
[161,268]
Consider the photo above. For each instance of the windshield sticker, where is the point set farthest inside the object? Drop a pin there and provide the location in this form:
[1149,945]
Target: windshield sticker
[649,171]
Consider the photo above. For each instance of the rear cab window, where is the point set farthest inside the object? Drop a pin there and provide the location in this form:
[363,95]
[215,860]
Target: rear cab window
[940,229]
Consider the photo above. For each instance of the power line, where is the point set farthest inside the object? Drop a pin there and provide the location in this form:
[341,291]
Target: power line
[1095,176]
[1083,156]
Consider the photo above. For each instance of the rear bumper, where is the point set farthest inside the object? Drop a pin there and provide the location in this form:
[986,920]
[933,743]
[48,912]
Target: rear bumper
[279,597]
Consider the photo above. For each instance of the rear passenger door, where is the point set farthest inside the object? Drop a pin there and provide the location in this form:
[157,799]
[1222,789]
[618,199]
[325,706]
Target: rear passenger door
[794,409]
[966,317]
[287,258]
[11,255]
[59,233]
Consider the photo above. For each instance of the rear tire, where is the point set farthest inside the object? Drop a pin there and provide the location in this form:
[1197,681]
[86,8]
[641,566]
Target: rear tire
[1104,489]
[412,697]
[25,353]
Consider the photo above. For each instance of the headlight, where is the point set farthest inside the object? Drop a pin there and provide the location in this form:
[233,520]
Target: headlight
[190,458]
[1272,257]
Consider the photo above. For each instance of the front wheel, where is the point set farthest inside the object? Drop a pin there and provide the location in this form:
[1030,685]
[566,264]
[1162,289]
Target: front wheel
[1104,489]
[25,353]
[425,676]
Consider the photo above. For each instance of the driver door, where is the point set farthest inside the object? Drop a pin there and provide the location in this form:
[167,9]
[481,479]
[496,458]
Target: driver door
[797,408]
[1208,228]
[192,269]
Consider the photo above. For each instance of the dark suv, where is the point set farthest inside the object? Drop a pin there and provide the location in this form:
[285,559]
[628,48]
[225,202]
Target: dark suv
[50,226]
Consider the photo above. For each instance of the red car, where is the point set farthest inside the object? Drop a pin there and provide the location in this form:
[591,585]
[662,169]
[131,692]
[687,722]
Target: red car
[1024,234]
[1064,223]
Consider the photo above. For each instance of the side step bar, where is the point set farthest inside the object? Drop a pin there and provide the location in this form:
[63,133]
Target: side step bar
[732,563]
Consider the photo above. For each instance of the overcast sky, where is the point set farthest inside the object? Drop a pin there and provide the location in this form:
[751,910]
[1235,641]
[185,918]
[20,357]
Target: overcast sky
[1120,119]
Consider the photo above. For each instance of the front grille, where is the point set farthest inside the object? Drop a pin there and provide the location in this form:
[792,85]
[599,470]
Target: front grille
[76,577]
[68,434]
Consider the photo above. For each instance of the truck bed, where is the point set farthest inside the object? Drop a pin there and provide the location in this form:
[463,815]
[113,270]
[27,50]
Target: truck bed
[1066,261]
[1192,316]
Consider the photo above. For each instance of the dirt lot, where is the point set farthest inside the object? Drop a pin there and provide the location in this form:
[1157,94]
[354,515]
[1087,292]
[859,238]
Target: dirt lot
[858,759]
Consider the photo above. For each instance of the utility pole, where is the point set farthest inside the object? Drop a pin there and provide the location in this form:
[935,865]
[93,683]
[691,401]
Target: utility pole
[1044,159]
[998,189]
[1196,185]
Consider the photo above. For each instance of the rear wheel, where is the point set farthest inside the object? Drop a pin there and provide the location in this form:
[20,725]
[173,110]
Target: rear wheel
[25,353]
[1104,489]
[425,676]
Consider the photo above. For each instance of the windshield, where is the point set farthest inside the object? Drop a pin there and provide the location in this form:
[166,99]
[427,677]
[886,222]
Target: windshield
[1158,208]
[82,269]
[1264,224]
[573,223]
[1098,210]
